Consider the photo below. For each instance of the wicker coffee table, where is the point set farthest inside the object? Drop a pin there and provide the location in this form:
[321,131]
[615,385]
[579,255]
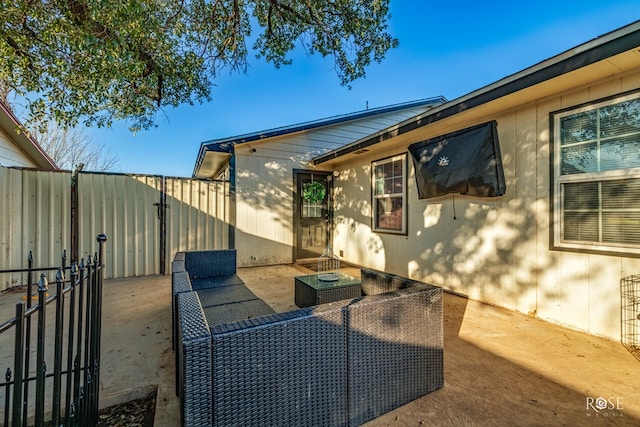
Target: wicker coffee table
[311,290]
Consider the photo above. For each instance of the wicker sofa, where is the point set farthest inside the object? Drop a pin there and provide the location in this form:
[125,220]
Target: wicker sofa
[338,364]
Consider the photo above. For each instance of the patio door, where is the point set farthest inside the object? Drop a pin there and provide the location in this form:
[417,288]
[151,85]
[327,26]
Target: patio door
[312,218]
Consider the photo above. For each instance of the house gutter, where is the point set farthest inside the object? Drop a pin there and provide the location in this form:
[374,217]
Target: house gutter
[596,50]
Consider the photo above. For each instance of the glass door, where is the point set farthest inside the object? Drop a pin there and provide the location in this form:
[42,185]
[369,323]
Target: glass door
[312,213]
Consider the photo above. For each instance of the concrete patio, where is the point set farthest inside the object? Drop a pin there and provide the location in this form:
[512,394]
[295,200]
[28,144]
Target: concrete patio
[501,367]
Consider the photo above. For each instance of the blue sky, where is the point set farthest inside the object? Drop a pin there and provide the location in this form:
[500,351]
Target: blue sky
[446,48]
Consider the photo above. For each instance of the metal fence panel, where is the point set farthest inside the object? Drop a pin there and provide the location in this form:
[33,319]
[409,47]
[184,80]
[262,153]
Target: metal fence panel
[198,213]
[34,206]
[122,206]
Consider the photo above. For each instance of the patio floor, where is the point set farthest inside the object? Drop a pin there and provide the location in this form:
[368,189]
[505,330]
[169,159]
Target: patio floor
[501,367]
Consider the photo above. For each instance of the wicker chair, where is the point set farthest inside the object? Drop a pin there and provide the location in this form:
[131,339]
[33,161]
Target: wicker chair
[339,364]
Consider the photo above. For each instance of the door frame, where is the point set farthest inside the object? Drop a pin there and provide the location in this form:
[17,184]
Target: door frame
[297,173]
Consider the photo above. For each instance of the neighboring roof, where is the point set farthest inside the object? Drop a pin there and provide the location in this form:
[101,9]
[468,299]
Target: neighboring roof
[26,143]
[225,145]
[601,48]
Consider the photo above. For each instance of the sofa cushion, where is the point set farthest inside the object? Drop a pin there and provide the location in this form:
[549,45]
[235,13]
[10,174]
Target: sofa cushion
[236,311]
[215,281]
[224,295]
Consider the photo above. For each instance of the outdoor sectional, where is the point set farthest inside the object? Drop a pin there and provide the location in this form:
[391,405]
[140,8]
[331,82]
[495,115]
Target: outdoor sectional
[336,364]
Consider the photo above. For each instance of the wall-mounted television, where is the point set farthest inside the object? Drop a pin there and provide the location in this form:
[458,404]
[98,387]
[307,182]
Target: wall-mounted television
[466,161]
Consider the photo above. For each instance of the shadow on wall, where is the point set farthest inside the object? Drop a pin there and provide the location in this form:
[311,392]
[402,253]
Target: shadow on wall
[486,248]
[352,221]
[264,209]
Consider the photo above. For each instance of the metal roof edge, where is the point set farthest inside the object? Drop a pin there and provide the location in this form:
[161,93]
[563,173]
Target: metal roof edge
[300,127]
[199,159]
[218,147]
[597,49]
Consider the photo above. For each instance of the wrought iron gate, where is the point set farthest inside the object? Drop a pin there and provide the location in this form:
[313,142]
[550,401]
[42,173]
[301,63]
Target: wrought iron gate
[66,371]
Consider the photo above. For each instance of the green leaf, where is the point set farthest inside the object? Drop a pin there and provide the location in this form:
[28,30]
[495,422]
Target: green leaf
[99,61]
[314,192]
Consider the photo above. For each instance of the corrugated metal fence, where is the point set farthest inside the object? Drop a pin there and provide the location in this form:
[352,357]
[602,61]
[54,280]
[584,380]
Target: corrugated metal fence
[146,217]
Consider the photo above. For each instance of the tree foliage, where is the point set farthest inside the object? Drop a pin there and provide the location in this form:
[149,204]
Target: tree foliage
[96,61]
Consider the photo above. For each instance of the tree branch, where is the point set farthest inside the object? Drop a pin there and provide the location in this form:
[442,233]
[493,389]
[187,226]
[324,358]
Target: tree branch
[79,14]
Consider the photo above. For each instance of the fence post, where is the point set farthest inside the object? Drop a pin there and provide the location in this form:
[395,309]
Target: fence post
[7,396]
[75,219]
[41,367]
[99,272]
[78,359]
[94,352]
[85,390]
[162,217]
[71,332]
[27,349]
[57,357]
[29,277]
[93,356]
[17,366]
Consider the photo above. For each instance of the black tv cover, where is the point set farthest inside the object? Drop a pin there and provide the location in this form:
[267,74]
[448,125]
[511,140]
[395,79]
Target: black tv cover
[467,162]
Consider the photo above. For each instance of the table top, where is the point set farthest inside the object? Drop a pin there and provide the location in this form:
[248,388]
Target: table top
[342,280]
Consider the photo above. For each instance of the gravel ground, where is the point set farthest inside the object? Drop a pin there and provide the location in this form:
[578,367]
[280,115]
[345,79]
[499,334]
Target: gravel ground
[136,413]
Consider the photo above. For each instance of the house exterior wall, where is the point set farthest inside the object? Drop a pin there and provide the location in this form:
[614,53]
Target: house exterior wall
[10,155]
[265,190]
[495,250]
[264,209]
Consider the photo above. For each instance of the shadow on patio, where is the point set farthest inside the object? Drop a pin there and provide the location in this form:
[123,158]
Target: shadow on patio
[501,367]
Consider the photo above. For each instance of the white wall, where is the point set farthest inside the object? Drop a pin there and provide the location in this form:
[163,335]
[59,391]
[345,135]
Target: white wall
[10,155]
[264,232]
[264,209]
[496,249]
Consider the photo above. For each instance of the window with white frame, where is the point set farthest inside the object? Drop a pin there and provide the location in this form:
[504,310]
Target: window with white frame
[597,176]
[389,183]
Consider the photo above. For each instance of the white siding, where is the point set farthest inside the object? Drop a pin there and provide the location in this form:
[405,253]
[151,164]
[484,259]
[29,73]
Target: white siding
[10,155]
[495,250]
[264,210]
[265,187]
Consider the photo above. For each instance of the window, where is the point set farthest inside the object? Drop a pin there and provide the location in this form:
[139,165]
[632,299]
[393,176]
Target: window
[597,176]
[313,209]
[389,183]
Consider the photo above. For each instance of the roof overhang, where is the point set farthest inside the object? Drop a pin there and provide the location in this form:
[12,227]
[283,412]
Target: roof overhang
[29,146]
[610,54]
[212,159]
[213,155]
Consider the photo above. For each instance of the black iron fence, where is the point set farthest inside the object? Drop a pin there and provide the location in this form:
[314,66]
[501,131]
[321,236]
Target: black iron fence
[62,358]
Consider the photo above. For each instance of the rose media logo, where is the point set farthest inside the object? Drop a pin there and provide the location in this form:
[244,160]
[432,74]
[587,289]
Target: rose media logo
[604,407]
